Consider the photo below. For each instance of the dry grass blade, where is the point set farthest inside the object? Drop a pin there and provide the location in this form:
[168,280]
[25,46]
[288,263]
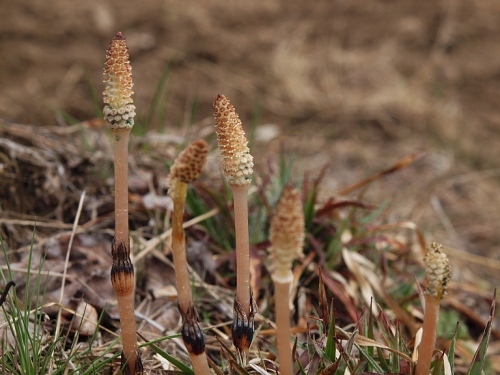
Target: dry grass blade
[406,225]
[154,242]
[66,262]
[340,291]
[400,164]
[363,271]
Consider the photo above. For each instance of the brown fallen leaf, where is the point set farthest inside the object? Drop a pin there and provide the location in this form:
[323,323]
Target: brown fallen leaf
[85,320]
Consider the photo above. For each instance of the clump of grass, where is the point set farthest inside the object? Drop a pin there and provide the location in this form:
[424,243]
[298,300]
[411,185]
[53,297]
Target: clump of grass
[119,115]
[27,346]
[28,354]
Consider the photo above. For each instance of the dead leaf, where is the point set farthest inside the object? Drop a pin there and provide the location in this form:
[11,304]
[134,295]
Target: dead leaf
[85,320]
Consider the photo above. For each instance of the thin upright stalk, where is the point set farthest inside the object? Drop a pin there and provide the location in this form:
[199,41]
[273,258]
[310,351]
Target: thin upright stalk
[287,240]
[119,115]
[193,335]
[185,296]
[122,272]
[438,273]
[200,363]
[128,328]
[237,163]
[121,141]
[240,199]
[283,322]
[429,328]
[186,169]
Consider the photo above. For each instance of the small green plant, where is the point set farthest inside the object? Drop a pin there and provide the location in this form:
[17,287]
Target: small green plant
[23,321]
[27,347]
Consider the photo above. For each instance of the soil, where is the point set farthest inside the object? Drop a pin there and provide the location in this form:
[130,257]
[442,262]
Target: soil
[354,85]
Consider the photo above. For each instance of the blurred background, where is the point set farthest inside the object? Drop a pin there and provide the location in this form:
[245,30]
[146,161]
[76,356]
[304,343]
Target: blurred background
[349,85]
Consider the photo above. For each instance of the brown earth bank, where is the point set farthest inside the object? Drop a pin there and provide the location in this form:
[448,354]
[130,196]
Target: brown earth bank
[353,85]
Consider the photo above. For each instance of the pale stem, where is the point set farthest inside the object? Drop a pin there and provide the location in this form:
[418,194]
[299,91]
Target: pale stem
[281,293]
[429,327]
[240,197]
[200,364]
[179,247]
[125,302]
[199,361]
[121,138]
[128,328]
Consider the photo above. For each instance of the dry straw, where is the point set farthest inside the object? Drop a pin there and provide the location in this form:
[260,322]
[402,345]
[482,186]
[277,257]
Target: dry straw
[287,242]
[238,168]
[186,169]
[119,115]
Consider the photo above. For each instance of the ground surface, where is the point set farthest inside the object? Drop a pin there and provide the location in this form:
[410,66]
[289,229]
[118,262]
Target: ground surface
[354,85]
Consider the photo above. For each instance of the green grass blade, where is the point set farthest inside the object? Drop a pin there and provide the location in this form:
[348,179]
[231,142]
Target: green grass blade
[375,213]
[193,112]
[157,96]
[100,363]
[479,358]
[286,164]
[369,358]
[180,365]
[438,366]
[382,361]
[369,329]
[451,351]
[96,98]
[29,351]
[309,209]
[97,366]
[397,344]
[330,347]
